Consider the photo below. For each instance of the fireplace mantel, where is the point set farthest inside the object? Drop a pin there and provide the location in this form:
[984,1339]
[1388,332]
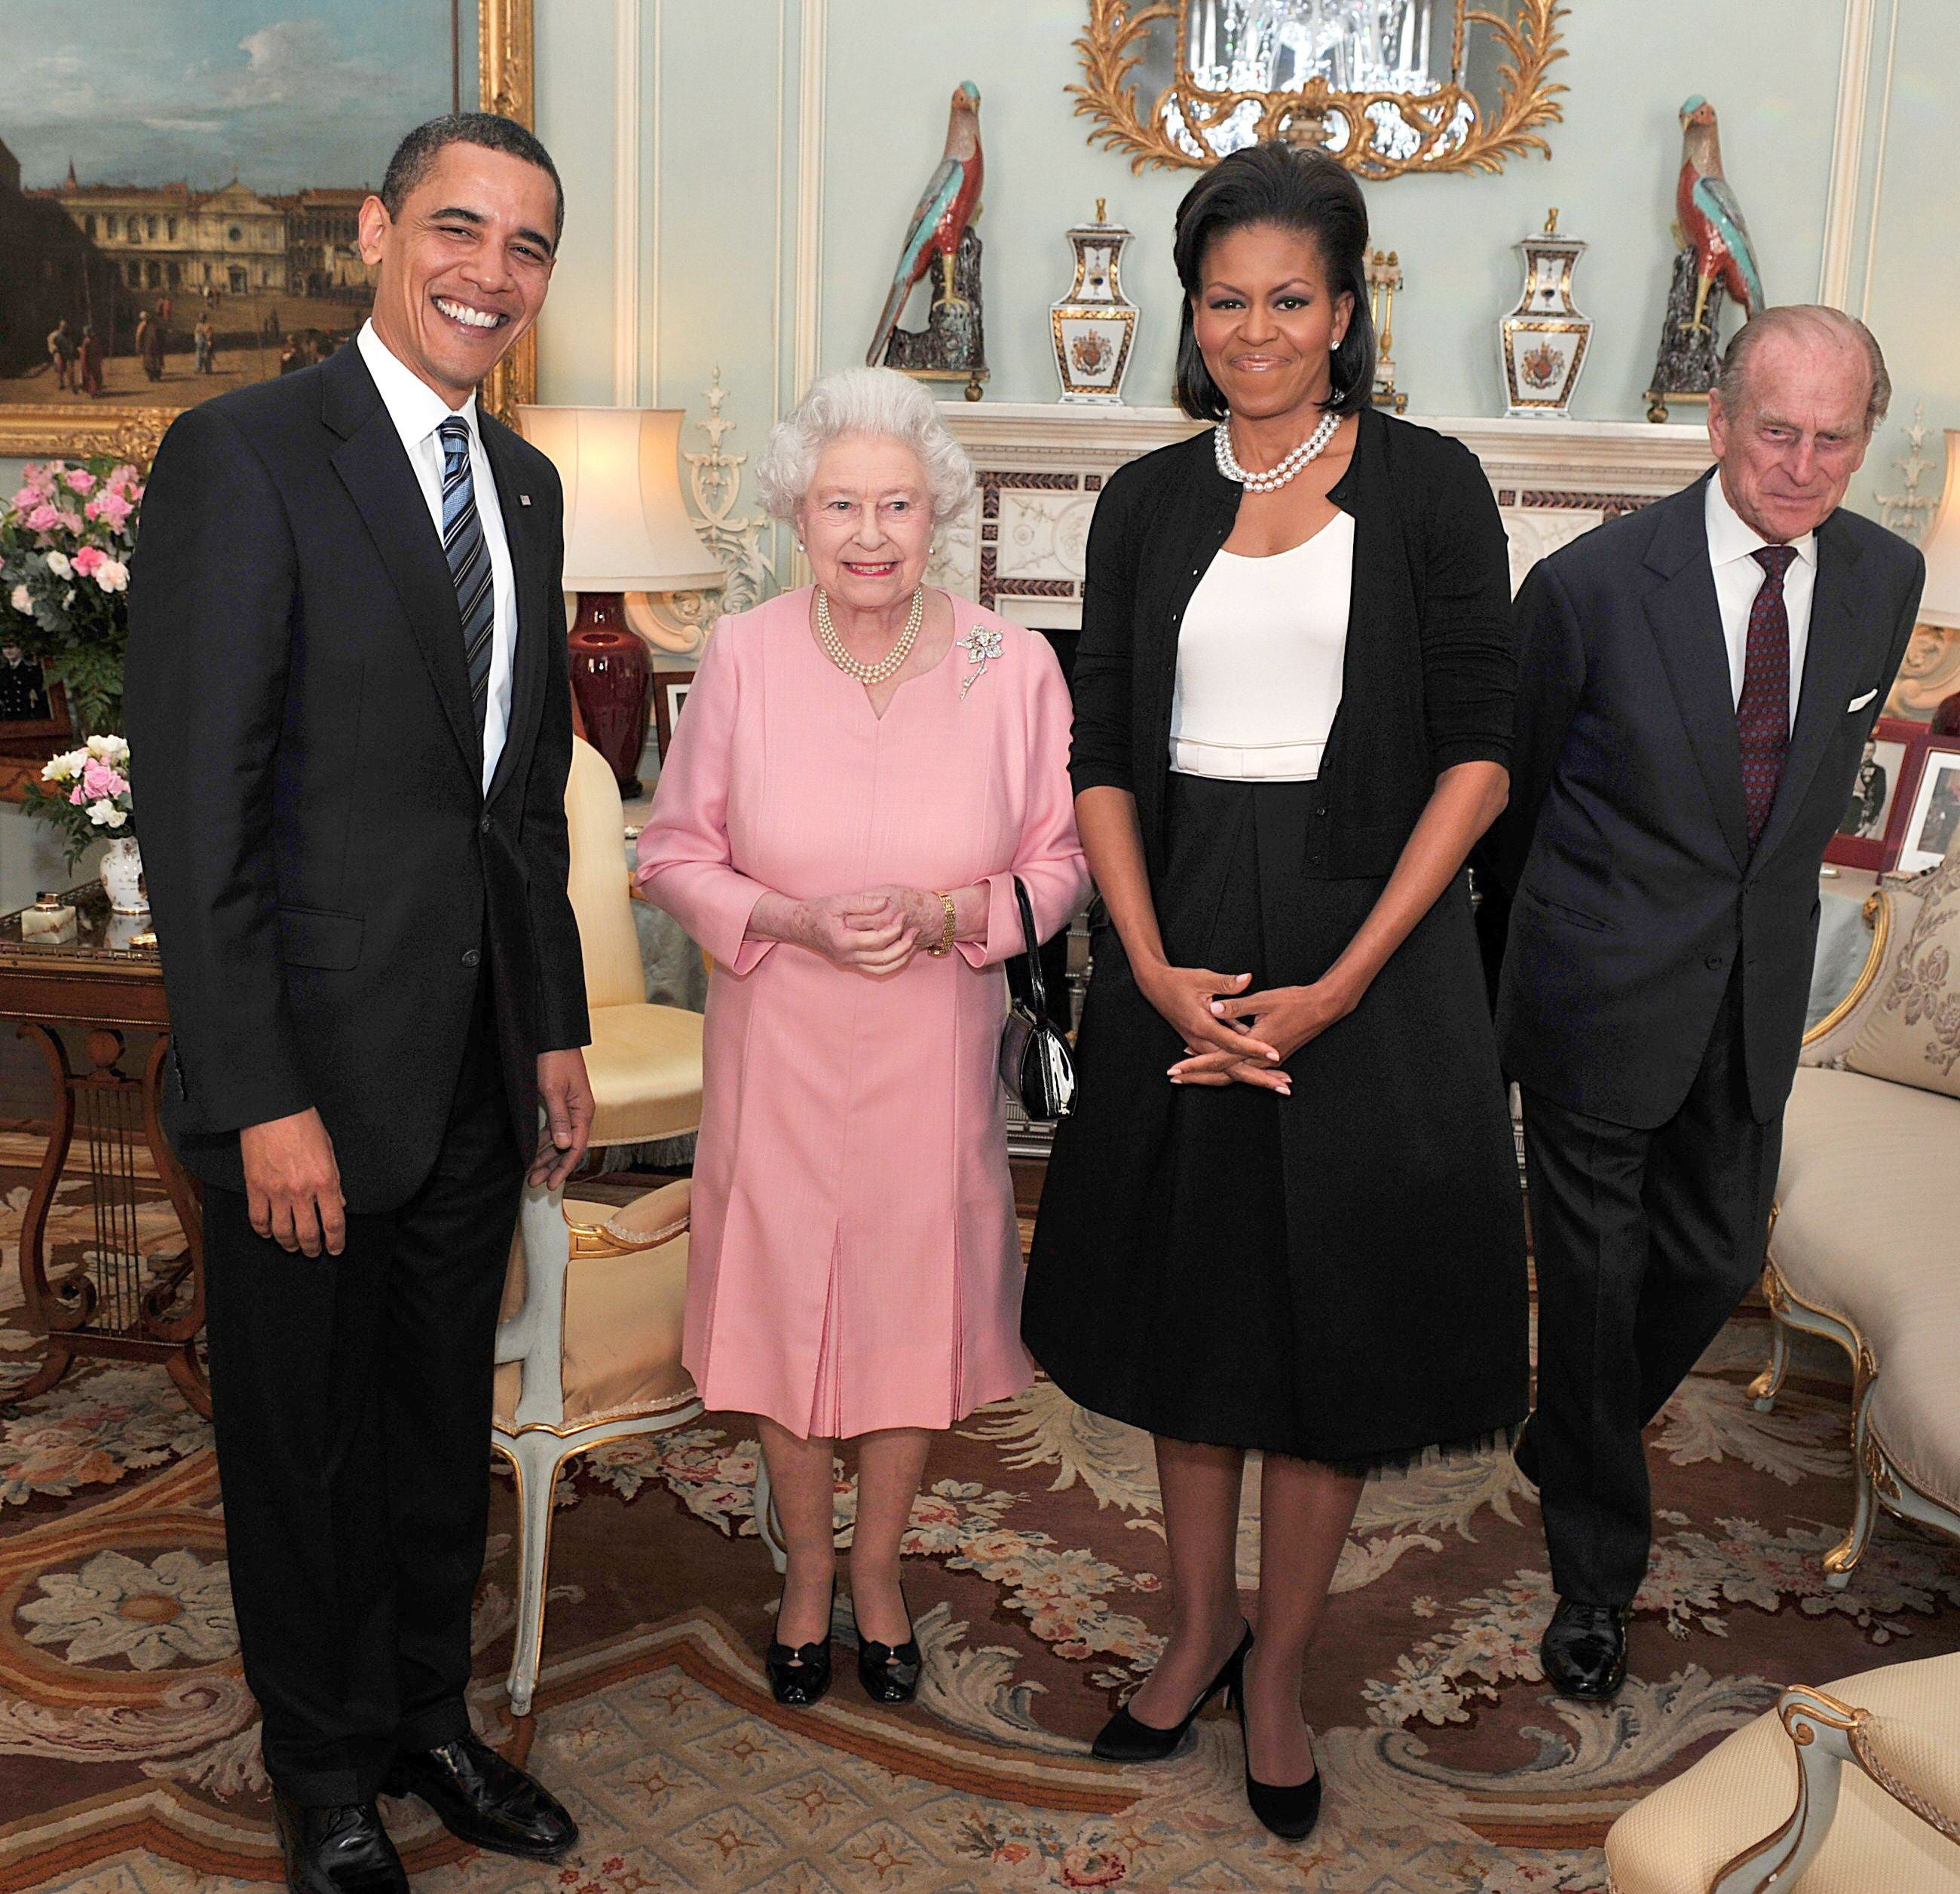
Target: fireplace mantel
[1019,548]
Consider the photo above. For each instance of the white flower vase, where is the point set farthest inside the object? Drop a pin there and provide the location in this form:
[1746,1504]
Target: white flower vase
[123,877]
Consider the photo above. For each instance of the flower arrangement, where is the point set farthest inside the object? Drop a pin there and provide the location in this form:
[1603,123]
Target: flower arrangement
[87,795]
[65,538]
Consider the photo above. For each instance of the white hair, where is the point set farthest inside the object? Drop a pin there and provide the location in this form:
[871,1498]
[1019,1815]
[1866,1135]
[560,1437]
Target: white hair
[877,402]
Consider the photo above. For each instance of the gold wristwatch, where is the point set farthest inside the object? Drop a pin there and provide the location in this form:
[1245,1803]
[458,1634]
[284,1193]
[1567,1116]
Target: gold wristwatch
[945,945]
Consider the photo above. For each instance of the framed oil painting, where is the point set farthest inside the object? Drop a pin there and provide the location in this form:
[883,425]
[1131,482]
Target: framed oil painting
[182,221]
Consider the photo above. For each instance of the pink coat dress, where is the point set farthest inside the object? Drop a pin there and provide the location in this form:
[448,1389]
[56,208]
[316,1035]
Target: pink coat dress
[855,1263]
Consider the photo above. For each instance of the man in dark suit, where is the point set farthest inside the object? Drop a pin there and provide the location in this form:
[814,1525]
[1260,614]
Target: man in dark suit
[1697,682]
[347,684]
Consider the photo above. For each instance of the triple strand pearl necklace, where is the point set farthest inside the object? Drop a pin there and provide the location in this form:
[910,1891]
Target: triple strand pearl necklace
[887,665]
[1309,451]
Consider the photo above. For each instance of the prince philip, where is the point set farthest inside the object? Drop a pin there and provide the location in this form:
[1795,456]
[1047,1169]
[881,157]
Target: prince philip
[1697,681]
[347,685]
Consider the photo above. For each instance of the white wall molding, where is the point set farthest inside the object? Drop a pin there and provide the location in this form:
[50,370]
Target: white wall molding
[630,105]
[806,330]
[1878,167]
[1847,144]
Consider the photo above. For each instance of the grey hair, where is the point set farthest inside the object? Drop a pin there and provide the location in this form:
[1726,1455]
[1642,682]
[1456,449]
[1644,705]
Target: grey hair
[878,403]
[1806,321]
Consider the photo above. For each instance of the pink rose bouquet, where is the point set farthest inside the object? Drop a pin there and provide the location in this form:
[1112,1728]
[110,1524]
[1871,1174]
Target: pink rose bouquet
[85,794]
[65,538]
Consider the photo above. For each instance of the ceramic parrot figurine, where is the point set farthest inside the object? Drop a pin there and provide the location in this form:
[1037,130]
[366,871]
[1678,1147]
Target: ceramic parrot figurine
[942,216]
[1708,220]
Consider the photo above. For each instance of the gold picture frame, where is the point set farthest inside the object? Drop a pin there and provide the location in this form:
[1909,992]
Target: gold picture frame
[507,75]
[1112,47]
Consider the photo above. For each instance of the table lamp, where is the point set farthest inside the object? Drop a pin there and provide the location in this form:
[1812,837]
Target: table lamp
[1939,608]
[626,530]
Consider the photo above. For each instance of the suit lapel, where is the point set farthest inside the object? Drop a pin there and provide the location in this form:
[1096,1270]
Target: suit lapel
[1686,618]
[523,531]
[373,465]
[1830,663]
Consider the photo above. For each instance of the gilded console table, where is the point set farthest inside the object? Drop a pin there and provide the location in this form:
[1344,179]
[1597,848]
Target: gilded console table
[113,1300]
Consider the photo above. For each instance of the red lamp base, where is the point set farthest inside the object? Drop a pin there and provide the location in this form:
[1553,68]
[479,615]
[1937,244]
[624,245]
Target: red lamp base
[612,677]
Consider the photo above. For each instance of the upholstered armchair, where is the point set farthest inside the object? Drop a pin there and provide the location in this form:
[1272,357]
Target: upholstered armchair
[1863,1249]
[1853,1789]
[588,1350]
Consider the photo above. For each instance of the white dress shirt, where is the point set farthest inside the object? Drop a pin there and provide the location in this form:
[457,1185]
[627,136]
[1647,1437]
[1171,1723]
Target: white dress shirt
[1738,577]
[417,410]
[1259,661]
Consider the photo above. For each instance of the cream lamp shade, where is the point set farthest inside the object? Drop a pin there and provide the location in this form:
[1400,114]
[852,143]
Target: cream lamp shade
[627,528]
[1941,605]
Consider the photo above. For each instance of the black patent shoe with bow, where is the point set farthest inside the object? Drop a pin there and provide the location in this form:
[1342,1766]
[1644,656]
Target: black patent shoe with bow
[800,1674]
[1123,1739]
[888,1672]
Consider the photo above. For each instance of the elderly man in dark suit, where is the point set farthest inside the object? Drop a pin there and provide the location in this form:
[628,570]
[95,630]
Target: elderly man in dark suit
[1697,682]
[347,682]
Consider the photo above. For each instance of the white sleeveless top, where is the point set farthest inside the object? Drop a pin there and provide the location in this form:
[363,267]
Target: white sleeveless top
[1259,660]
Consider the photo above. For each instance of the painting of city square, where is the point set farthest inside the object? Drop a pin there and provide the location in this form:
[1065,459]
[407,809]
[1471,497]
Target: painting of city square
[180,180]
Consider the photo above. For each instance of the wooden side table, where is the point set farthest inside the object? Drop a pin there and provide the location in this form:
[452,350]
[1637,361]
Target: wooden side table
[95,990]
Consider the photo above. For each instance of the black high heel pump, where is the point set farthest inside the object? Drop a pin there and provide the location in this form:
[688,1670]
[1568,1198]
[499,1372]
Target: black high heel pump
[800,1674]
[1123,1739]
[1288,1810]
[888,1672]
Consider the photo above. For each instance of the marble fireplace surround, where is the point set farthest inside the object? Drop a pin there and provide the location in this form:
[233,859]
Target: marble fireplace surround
[1018,547]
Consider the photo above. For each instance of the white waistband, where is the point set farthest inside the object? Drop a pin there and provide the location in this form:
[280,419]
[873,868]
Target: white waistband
[1262,763]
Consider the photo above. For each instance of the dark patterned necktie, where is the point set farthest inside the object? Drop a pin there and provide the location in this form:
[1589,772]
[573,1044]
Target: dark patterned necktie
[468,559]
[1762,714]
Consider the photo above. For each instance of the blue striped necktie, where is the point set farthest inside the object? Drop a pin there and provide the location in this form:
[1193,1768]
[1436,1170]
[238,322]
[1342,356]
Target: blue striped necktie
[468,559]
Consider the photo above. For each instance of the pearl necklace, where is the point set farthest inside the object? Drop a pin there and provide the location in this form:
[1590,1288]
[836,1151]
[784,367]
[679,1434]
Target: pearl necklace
[888,664]
[1309,450]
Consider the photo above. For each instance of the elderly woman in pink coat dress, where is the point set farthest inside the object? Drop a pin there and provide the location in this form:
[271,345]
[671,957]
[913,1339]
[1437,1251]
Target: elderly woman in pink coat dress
[864,767]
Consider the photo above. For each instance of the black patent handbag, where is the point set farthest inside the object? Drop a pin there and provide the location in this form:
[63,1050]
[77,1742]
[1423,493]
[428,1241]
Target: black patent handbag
[1035,1064]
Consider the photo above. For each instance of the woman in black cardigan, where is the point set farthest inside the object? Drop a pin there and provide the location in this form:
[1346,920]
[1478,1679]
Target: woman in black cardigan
[1285,1215]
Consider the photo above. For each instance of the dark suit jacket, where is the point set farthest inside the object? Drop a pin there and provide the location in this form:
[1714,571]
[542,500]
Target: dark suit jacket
[326,872]
[1428,676]
[1626,850]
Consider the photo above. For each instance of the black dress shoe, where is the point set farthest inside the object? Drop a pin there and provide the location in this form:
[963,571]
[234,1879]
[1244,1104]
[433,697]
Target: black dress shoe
[1123,1739]
[1288,1809]
[485,1800]
[888,1672]
[337,1851]
[1584,1650]
[800,1674]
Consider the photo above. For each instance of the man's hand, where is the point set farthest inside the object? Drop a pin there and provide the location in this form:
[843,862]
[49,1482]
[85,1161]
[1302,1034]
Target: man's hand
[293,1183]
[566,1094]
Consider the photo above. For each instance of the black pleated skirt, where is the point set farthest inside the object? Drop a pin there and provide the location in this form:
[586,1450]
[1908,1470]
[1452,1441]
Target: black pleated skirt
[1338,1275]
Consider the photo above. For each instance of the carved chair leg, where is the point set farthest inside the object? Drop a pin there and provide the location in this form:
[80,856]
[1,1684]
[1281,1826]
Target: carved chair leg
[1764,1388]
[536,1456]
[1842,1559]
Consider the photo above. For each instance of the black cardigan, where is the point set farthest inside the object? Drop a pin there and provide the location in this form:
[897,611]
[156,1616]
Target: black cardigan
[1428,676]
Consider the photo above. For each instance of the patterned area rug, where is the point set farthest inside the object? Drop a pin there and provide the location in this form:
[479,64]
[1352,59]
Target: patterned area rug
[128,1760]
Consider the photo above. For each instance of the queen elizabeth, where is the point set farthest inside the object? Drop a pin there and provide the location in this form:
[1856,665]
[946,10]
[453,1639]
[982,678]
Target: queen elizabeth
[864,768]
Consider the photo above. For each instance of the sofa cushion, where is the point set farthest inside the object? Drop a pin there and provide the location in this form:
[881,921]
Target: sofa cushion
[1865,1232]
[1911,1029]
[1677,1839]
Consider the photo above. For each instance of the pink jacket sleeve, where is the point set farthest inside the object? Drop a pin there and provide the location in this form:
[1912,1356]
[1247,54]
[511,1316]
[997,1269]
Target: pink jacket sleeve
[685,863]
[1048,858]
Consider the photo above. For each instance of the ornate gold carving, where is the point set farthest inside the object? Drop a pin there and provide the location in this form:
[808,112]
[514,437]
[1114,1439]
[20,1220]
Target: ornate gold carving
[1112,47]
[1878,913]
[1802,1706]
[506,73]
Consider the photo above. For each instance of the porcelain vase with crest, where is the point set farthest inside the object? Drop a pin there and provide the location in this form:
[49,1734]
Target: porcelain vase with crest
[1094,326]
[123,877]
[1541,344]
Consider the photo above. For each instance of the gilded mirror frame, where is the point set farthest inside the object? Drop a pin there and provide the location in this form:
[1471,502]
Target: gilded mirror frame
[1111,49]
[507,77]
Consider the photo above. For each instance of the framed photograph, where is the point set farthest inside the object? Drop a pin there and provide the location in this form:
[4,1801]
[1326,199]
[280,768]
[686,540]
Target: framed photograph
[670,690]
[180,225]
[1871,830]
[1932,826]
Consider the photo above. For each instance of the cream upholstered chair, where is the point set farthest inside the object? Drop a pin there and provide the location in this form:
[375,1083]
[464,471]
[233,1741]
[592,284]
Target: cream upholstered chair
[1854,1789]
[1862,1250]
[588,1350]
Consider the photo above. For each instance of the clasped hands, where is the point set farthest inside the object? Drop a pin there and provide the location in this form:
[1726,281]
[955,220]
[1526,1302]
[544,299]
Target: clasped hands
[875,931]
[1232,1037]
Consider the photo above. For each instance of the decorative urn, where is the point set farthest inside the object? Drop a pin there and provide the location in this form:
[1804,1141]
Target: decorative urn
[1094,326]
[1541,344]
